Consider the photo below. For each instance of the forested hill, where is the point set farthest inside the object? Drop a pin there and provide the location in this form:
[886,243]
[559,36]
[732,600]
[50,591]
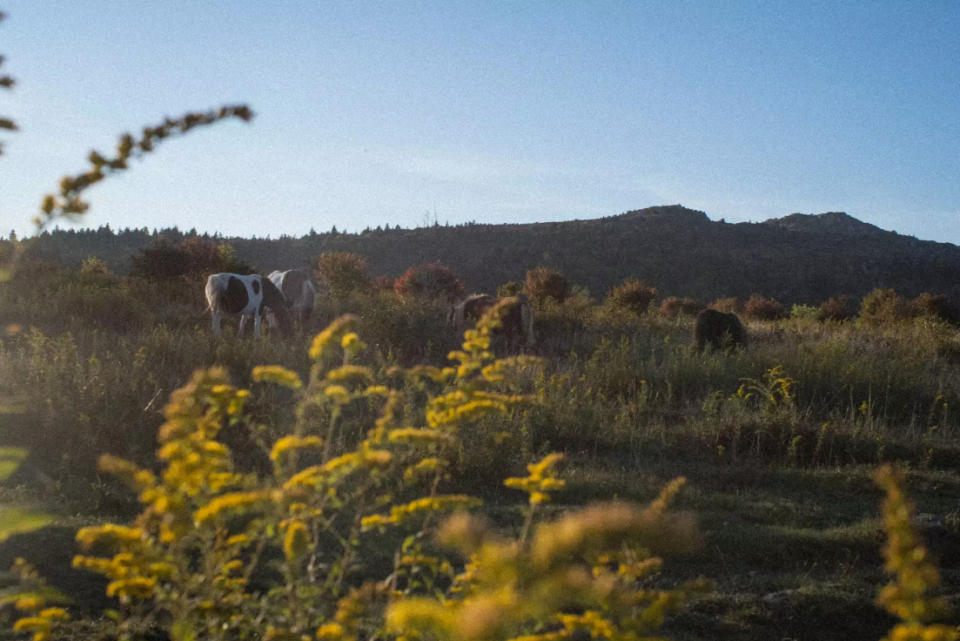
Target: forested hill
[798,258]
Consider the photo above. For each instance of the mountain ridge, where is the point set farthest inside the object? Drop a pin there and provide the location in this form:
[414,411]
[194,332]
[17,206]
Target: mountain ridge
[802,258]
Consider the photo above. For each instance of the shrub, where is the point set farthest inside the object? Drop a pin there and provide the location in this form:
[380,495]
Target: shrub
[804,312]
[543,283]
[94,266]
[342,273]
[633,295]
[383,283]
[835,308]
[431,280]
[671,307]
[191,257]
[928,305]
[729,305]
[884,306]
[761,308]
[509,288]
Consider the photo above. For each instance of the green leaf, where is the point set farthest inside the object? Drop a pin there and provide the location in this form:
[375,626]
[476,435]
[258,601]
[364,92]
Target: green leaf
[10,460]
[14,593]
[15,520]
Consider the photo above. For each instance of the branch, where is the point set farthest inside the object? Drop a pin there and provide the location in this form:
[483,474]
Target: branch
[69,203]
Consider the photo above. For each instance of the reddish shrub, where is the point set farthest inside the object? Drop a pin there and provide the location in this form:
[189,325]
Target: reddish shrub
[760,308]
[835,308]
[729,305]
[543,283]
[633,295]
[671,307]
[342,273]
[431,280]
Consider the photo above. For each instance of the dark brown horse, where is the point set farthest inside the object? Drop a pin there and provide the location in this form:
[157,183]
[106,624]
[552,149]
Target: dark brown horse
[719,330]
[514,312]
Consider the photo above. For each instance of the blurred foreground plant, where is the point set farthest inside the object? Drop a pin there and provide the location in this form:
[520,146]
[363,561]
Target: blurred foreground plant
[333,538]
[586,575]
[914,572]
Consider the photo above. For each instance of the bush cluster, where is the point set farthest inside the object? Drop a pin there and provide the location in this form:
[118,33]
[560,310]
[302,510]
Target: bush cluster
[342,273]
[632,295]
[430,280]
[543,283]
[192,257]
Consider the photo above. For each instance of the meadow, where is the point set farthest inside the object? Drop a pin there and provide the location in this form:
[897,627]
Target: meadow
[778,444]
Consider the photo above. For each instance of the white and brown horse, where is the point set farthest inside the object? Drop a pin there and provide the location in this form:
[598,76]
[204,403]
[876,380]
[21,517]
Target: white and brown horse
[246,295]
[298,290]
[514,312]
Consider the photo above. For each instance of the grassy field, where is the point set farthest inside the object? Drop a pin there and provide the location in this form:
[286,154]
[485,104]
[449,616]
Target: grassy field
[777,442]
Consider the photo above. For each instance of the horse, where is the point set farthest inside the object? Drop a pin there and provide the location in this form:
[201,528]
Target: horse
[514,312]
[246,295]
[299,291]
[719,330]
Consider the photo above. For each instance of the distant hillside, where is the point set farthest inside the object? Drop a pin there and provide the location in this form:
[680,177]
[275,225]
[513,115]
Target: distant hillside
[797,258]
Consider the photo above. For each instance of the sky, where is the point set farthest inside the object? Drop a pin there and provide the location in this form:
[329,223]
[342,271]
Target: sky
[404,112]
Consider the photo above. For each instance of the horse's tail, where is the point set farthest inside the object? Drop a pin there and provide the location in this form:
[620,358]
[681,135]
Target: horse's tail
[212,291]
[458,315]
[307,296]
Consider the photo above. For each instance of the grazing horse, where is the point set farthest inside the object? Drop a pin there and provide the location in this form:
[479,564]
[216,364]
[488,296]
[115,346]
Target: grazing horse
[718,330]
[514,312]
[298,290]
[248,296]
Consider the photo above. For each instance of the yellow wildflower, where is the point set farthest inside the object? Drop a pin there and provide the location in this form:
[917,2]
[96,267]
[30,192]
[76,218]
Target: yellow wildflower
[28,603]
[55,614]
[351,373]
[415,435]
[227,504]
[296,541]
[337,393]
[321,342]
[289,443]
[108,534]
[277,374]
[138,587]
[330,632]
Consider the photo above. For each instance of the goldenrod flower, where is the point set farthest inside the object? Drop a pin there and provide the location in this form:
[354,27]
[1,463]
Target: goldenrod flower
[290,443]
[417,435]
[319,347]
[296,540]
[138,587]
[277,374]
[28,603]
[330,632]
[55,614]
[228,504]
[337,393]
[108,534]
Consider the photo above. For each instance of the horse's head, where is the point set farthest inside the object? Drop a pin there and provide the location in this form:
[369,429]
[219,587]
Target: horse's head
[279,306]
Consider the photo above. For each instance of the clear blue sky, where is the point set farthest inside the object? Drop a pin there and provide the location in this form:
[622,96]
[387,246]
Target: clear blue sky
[377,113]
